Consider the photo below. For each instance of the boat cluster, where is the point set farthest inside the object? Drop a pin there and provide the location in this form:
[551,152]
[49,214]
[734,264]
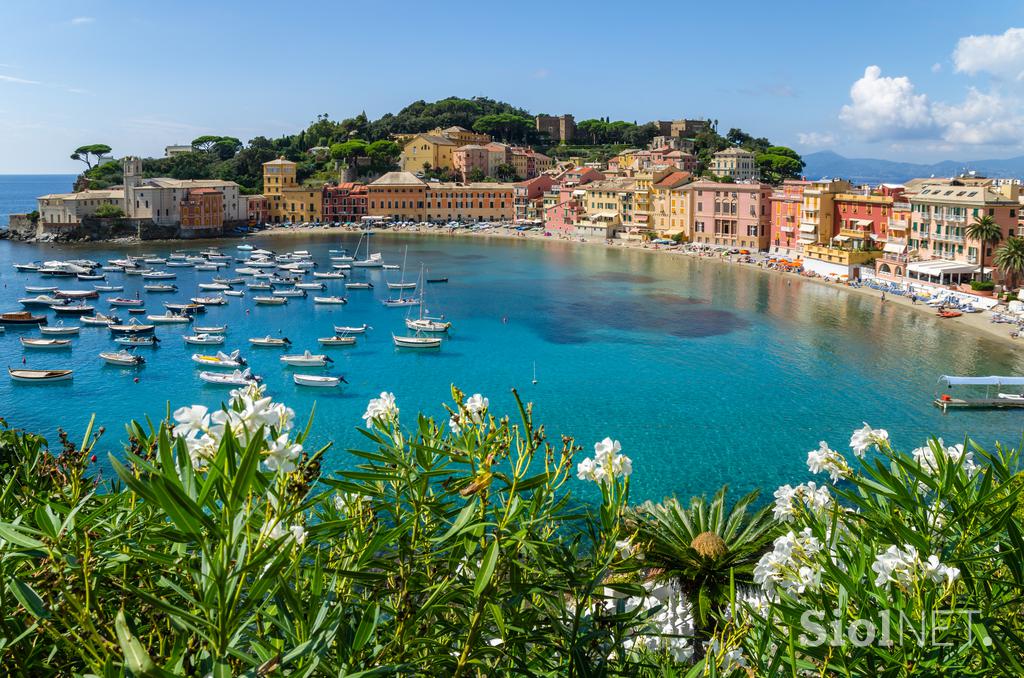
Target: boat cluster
[273,280]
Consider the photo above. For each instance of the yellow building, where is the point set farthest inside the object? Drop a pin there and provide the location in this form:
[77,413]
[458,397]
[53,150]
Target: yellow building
[287,201]
[611,198]
[461,135]
[670,209]
[427,150]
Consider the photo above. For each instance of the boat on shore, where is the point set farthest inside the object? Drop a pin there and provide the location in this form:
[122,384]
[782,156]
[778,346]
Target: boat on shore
[22,318]
[123,357]
[236,378]
[39,376]
[270,341]
[306,359]
[317,380]
[45,343]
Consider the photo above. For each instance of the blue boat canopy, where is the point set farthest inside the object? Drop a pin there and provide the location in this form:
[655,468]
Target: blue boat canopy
[982,381]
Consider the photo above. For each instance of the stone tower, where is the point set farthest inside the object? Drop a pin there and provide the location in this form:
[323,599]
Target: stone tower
[132,168]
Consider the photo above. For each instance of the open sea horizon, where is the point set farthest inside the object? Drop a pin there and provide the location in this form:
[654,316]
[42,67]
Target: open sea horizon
[707,373]
[18,192]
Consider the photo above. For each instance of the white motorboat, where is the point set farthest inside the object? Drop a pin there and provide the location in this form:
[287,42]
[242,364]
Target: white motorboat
[221,360]
[209,301]
[124,301]
[359,286]
[310,286]
[151,259]
[160,287]
[402,286]
[186,308]
[270,341]
[99,320]
[59,329]
[259,286]
[400,302]
[207,267]
[329,275]
[428,325]
[234,293]
[133,327]
[72,309]
[244,248]
[391,267]
[206,339]
[306,359]
[214,287]
[112,269]
[180,264]
[330,300]
[98,276]
[341,267]
[337,341]
[289,293]
[122,357]
[375,260]
[169,318]
[271,301]
[321,381]
[229,281]
[26,267]
[150,341]
[108,288]
[45,343]
[77,294]
[236,378]
[247,270]
[210,329]
[40,300]
[354,329]
[39,376]
[416,342]
[159,275]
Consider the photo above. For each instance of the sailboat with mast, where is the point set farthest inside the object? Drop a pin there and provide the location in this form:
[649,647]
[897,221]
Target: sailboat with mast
[374,260]
[425,323]
[402,300]
[402,285]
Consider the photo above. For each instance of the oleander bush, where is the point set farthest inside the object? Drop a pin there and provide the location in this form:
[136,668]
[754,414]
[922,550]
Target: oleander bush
[454,547]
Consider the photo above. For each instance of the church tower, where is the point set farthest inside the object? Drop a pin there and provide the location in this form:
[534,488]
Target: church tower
[132,168]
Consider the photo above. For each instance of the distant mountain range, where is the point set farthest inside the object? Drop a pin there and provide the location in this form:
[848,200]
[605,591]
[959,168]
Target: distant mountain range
[875,171]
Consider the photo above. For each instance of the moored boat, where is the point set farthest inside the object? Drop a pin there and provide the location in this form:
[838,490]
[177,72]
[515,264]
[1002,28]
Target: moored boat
[59,329]
[22,318]
[236,378]
[99,320]
[270,341]
[351,329]
[359,286]
[337,341]
[206,339]
[169,318]
[40,300]
[234,293]
[209,301]
[221,360]
[210,329]
[131,340]
[124,301]
[39,376]
[306,359]
[72,309]
[416,342]
[214,287]
[132,327]
[45,343]
[108,288]
[322,381]
[329,275]
[160,287]
[330,300]
[271,301]
[122,357]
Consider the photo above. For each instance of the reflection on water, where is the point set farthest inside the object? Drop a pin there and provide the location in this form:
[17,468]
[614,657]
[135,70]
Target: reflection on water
[707,373]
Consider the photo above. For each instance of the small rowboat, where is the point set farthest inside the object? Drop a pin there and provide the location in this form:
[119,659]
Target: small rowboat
[99,320]
[160,287]
[329,275]
[402,286]
[234,293]
[289,293]
[137,341]
[211,339]
[321,381]
[124,301]
[949,314]
[330,300]
[306,359]
[159,275]
[310,286]
[345,329]
[236,378]
[359,286]
[168,318]
[22,318]
[186,308]
[59,328]
[45,343]
[210,329]
[209,301]
[271,301]
[133,327]
[337,341]
[416,342]
[77,294]
[214,286]
[229,360]
[109,288]
[437,280]
[137,311]
[72,309]
[85,276]
[122,357]
[39,376]
[270,341]
[36,289]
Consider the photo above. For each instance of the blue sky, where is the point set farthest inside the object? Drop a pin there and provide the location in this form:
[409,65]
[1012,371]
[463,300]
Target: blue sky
[919,81]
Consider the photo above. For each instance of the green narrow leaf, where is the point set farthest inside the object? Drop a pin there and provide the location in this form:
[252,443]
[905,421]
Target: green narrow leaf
[366,627]
[483,577]
[28,598]
[9,533]
[465,515]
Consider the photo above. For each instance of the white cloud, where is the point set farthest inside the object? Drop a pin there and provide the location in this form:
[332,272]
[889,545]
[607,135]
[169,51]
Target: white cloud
[981,119]
[19,81]
[936,67]
[887,108]
[998,55]
[816,139]
[80,20]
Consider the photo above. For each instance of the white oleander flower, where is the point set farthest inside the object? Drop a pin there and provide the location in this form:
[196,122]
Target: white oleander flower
[282,454]
[825,459]
[954,454]
[383,407]
[863,438]
[192,419]
[585,469]
[895,566]
[809,495]
[475,405]
[606,463]
[453,424]
[298,533]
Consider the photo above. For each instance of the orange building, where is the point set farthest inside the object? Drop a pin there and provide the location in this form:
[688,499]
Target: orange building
[202,213]
[785,226]
[401,196]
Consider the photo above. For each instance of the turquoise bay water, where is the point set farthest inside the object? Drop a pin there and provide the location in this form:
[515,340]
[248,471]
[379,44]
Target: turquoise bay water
[707,373]
[18,192]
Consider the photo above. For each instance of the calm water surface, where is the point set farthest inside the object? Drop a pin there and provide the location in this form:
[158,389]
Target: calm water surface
[708,374]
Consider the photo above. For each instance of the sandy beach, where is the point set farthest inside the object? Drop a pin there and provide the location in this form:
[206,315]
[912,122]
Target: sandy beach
[979,323]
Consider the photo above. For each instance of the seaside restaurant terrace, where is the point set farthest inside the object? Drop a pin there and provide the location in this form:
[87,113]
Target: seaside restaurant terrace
[944,272]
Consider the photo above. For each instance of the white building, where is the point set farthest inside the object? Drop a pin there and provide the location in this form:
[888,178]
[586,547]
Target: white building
[68,209]
[737,163]
[160,198]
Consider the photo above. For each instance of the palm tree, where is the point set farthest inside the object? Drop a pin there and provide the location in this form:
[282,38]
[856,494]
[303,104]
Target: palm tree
[1010,259]
[704,548]
[987,232]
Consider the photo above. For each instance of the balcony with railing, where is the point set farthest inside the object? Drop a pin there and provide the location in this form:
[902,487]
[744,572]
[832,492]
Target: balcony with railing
[901,206]
[836,255]
[948,237]
[895,225]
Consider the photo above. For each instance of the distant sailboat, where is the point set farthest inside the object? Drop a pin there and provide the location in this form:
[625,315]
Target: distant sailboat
[535,371]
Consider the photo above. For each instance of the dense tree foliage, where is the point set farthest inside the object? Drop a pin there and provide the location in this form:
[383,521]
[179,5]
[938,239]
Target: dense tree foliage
[83,152]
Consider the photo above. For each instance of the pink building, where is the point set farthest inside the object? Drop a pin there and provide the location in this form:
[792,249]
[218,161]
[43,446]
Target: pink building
[466,159]
[563,202]
[731,215]
[528,198]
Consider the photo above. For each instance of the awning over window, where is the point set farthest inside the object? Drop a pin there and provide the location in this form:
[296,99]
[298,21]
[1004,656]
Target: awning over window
[894,248]
[941,267]
[841,238]
[808,228]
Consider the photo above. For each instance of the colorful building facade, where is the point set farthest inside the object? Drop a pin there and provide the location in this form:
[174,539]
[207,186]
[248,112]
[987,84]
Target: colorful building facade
[731,215]
[345,202]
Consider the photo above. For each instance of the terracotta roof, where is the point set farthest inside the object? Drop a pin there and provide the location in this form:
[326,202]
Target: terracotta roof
[279,161]
[674,179]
